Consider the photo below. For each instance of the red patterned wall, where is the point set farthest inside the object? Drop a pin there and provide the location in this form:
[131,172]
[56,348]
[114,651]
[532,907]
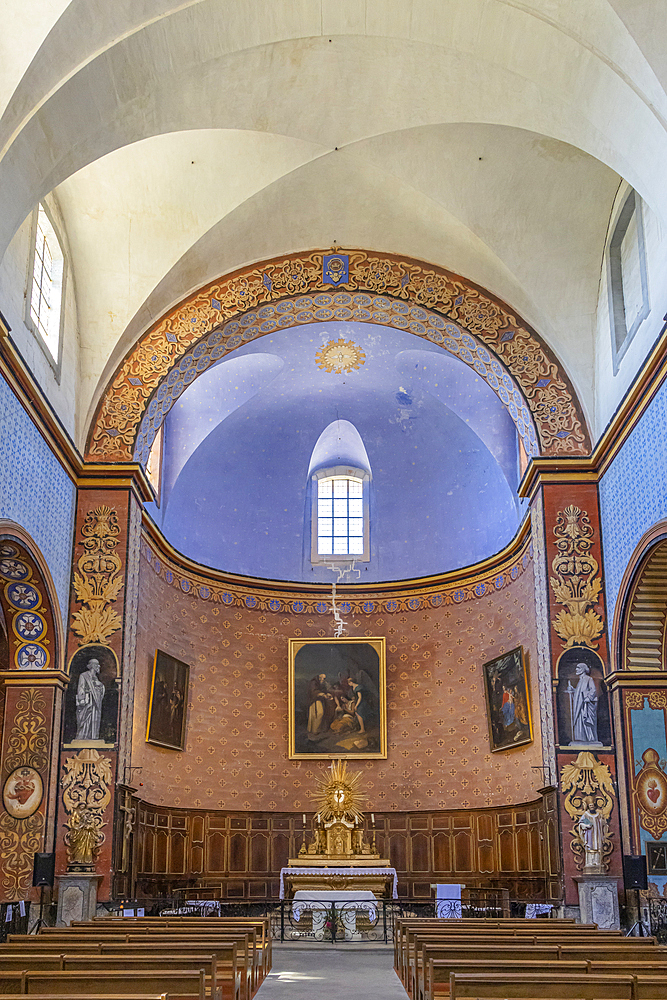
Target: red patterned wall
[236,753]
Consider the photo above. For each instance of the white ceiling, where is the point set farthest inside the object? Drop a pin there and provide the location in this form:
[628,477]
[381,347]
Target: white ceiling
[187,139]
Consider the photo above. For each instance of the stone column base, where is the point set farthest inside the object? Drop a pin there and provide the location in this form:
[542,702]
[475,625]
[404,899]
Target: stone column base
[77,897]
[598,901]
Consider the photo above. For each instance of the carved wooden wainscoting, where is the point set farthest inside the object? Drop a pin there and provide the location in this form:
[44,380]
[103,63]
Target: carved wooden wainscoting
[513,847]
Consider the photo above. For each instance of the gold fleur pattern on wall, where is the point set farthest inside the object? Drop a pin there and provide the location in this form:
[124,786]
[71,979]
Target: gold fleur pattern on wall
[338,356]
[236,741]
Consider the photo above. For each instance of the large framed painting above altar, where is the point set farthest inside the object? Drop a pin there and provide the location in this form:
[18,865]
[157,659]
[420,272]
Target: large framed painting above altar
[337,698]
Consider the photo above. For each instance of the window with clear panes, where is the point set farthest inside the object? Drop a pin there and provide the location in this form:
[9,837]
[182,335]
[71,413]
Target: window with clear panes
[47,284]
[340,516]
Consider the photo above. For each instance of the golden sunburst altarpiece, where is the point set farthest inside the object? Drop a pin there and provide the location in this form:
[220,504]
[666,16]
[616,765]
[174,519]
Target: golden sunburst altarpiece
[338,794]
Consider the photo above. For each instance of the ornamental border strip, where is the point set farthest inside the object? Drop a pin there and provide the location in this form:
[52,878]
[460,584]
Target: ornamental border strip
[335,307]
[275,602]
[546,389]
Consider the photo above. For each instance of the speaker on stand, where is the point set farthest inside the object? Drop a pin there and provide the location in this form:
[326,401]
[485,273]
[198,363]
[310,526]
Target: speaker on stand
[635,878]
[43,873]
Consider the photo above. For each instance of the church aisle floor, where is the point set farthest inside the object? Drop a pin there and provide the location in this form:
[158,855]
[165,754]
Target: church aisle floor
[341,972]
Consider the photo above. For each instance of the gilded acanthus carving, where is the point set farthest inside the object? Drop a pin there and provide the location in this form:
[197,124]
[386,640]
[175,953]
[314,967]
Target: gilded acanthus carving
[160,351]
[86,794]
[577,583]
[99,579]
[589,800]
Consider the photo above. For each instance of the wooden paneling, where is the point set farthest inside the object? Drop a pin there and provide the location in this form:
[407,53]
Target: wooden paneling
[245,851]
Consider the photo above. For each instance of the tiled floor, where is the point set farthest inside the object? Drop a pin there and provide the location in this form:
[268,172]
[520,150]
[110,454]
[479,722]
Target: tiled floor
[343,972]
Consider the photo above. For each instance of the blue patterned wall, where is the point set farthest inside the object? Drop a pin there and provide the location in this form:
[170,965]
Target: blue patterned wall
[35,491]
[633,493]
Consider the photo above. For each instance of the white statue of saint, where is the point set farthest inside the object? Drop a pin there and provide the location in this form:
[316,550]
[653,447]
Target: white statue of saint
[584,708]
[89,696]
[591,830]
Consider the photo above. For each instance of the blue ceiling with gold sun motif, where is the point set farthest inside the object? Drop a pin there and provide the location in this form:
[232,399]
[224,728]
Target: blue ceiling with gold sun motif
[441,446]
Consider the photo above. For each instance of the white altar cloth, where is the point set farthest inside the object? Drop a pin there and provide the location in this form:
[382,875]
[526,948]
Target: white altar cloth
[346,901]
[338,871]
[321,899]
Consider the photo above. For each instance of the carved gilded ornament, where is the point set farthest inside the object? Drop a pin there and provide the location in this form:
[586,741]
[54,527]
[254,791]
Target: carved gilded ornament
[99,580]
[577,583]
[588,787]
[544,385]
[338,356]
[21,837]
[86,794]
[634,699]
[650,789]
[338,794]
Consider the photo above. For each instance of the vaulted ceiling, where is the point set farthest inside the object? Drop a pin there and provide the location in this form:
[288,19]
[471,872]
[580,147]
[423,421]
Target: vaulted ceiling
[185,139]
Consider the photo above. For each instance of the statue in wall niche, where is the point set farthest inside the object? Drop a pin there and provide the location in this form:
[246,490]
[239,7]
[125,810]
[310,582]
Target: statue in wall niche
[89,697]
[584,708]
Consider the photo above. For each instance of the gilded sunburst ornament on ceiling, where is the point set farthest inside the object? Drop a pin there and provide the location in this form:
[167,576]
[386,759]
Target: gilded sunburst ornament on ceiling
[340,356]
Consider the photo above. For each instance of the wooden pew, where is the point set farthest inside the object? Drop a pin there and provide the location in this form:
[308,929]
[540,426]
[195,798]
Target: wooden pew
[232,974]
[438,958]
[233,951]
[554,984]
[528,934]
[262,924]
[138,929]
[427,988]
[182,984]
[413,940]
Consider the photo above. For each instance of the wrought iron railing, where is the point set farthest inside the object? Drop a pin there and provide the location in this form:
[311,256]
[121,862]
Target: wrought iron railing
[313,921]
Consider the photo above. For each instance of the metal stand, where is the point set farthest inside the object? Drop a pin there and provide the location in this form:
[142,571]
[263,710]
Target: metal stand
[643,931]
[40,923]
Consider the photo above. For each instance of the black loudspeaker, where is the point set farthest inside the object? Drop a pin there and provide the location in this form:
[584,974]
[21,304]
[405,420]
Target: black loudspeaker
[43,869]
[634,871]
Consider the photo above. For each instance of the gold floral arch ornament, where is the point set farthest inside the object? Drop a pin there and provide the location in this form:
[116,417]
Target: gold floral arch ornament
[577,583]
[587,784]
[385,289]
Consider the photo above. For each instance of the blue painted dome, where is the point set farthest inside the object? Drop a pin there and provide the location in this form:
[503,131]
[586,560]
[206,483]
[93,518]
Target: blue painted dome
[243,441]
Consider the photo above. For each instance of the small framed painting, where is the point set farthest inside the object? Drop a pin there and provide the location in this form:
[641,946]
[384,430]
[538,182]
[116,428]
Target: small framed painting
[508,700]
[168,702]
[337,698]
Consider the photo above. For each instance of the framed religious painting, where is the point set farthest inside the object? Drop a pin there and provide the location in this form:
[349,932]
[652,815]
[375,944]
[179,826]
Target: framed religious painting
[508,700]
[337,698]
[168,701]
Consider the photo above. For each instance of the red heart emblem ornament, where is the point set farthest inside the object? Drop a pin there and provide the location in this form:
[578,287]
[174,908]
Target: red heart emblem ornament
[653,794]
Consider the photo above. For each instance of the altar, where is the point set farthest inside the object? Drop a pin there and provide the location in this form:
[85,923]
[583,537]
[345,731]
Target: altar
[339,906]
[381,881]
[342,856]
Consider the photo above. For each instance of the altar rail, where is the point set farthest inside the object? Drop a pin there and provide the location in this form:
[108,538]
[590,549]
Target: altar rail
[335,927]
[239,854]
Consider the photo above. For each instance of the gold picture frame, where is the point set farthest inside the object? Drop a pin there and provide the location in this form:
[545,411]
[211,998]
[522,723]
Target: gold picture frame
[168,702]
[343,714]
[507,694]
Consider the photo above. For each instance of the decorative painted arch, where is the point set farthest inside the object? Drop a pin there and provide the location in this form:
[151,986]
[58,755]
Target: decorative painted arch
[27,598]
[642,621]
[423,299]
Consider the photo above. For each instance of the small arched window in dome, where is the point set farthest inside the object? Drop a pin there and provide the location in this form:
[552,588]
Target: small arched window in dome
[340,516]
[340,478]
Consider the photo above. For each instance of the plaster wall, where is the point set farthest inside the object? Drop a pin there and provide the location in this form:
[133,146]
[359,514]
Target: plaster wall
[236,752]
